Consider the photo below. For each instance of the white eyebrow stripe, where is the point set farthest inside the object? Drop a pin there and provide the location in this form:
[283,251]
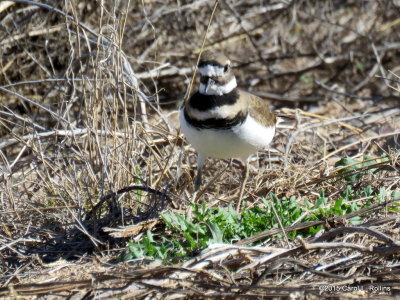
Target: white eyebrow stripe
[211,70]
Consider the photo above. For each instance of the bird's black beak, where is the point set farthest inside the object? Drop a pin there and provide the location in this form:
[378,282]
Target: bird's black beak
[209,83]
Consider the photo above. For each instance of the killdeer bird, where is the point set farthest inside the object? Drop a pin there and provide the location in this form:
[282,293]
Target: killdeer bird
[222,121]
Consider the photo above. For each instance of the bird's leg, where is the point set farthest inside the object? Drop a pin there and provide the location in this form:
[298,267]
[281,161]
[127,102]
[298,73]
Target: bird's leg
[200,163]
[198,180]
[197,184]
[245,176]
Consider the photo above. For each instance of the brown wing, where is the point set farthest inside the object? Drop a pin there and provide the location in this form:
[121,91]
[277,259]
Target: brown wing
[259,109]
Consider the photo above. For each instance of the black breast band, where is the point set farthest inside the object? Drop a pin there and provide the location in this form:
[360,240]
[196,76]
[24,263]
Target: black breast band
[205,102]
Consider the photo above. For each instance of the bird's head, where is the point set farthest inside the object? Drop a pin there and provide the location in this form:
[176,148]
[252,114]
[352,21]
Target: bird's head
[216,75]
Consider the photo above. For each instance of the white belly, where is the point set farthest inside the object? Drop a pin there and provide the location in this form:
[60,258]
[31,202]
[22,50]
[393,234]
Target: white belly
[238,142]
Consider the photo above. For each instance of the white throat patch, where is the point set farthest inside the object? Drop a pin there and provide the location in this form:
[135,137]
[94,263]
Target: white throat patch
[211,71]
[218,89]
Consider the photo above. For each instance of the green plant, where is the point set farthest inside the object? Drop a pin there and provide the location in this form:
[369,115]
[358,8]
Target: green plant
[353,170]
[180,237]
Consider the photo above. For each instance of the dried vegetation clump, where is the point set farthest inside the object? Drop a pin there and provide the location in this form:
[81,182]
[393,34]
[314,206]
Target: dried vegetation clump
[89,139]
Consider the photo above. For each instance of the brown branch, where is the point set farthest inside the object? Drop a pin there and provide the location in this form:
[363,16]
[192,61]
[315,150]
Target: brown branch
[362,248]
[336,231]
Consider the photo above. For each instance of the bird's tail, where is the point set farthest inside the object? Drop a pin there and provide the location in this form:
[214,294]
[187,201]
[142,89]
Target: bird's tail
[286,121]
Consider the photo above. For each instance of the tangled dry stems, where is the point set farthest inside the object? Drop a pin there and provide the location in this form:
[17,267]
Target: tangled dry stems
[88,107]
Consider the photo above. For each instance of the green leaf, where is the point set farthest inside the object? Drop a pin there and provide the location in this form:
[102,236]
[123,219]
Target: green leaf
[217,234]
[353,166]
[321,201]
[395,194]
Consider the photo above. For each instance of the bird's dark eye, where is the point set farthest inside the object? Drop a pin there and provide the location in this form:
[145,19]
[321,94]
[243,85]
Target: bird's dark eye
[226,68]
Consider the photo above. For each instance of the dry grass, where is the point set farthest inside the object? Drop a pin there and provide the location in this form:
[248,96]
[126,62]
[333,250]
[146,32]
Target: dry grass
[89,93]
